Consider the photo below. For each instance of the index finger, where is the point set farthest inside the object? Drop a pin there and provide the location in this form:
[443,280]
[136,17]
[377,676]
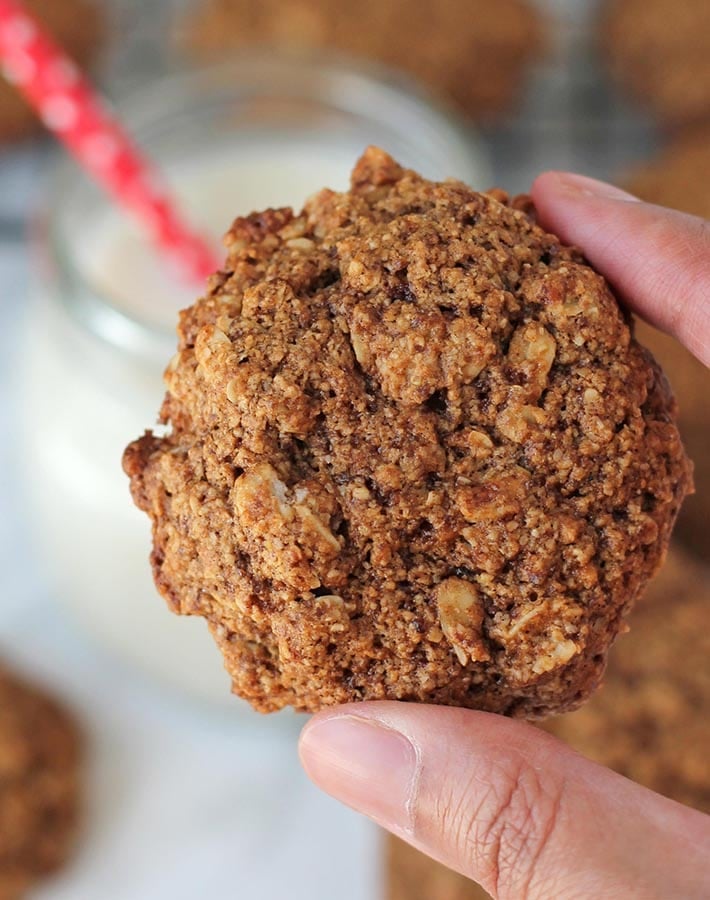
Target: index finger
[656,259]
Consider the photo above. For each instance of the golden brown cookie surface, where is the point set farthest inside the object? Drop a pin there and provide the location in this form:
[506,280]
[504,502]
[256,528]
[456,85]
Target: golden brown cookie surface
[650,719]
[474,52]
[39,791]
[76,24]
[415,454]
[660,51]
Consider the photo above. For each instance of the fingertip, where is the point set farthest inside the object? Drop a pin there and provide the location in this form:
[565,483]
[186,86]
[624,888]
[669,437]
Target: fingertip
[546,183]
[548,195]
[303,741]
[363,762]
[576,187]
[565,200]
[309,740]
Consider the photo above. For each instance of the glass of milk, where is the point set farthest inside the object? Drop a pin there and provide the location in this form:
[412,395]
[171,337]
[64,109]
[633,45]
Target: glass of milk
[238,137]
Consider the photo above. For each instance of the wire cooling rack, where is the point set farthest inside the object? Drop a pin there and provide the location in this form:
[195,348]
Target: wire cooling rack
[572,116]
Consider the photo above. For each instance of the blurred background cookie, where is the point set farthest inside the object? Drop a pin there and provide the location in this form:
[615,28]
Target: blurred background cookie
[678,178]
[659,50]
[472,51]
[39,785]
[77,25]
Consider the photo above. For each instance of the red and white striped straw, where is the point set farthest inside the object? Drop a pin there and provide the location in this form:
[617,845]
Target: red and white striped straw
[69,106]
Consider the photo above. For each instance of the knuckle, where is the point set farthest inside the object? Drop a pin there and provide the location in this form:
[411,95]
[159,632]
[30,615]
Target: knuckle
[508,828]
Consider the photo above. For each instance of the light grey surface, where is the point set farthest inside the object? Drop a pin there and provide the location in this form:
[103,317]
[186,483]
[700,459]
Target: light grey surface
[182,803]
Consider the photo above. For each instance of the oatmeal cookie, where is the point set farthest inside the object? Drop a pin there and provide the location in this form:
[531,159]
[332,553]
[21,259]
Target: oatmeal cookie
[415,453]
[659,50]
[77,25]
[473,52]
[650,720]
[678,179]
[39,771]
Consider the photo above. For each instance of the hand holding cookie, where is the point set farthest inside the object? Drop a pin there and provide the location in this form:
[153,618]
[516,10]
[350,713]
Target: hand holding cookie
[500,801]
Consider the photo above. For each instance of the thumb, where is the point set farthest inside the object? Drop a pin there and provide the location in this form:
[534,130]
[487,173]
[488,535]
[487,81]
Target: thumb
[506,804]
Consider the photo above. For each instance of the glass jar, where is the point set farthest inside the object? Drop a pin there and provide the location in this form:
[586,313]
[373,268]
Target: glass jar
[240,136]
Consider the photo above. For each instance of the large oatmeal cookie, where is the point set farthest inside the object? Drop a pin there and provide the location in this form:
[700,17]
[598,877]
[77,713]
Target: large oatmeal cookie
[659,50]
[415,453]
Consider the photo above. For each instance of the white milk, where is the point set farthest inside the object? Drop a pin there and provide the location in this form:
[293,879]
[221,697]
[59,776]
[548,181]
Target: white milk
[214,189]
[86,398]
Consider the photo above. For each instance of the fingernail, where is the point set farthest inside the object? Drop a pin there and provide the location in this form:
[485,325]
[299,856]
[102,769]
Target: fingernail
[365,764]
[590,187]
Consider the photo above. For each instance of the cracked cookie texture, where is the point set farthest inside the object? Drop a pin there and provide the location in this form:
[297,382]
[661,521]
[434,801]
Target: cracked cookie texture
[414,452]
[648,721]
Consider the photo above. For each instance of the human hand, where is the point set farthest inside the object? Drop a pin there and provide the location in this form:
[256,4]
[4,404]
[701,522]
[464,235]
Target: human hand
[496,799]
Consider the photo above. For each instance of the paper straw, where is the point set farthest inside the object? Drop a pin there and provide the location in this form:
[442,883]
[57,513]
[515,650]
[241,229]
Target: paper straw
[69,106]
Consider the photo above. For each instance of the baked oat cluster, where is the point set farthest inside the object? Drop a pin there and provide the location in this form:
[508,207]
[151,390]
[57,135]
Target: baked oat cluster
[39,791]
[414,453]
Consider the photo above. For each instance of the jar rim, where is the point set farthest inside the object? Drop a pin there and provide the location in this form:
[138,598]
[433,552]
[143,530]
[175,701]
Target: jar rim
[357,88]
